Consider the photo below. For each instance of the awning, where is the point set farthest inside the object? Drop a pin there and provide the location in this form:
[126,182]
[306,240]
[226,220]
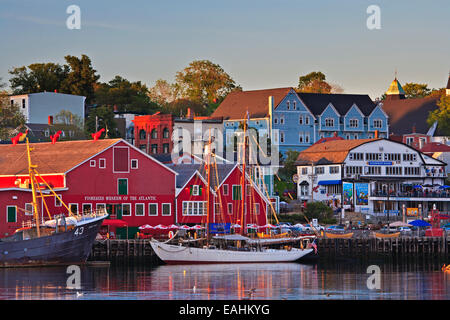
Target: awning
[304,183]
[328,182]
[114,223]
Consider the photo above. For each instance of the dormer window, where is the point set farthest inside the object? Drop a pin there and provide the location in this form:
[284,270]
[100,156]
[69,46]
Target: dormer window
[353,123]
[329,122]
[377,123]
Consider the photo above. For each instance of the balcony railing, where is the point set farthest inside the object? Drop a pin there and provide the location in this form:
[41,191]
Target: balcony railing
[412,194]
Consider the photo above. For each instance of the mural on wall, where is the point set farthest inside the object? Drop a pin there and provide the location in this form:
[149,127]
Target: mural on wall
[348,193]
[362,194]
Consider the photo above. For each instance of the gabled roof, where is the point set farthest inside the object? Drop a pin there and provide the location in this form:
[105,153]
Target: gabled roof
[186,171]
[236,103]
[50,158]
[317,102]
[334,151]
[406,113]
[435,147]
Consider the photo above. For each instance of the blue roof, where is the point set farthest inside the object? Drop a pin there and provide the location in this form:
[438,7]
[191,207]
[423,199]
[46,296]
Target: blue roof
[328,182]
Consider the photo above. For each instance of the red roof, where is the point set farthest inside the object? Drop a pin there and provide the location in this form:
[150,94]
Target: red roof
[435,147]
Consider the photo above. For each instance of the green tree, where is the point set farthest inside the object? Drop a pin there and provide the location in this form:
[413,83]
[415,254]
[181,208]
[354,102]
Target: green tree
[37,77]
[204,82]
[126,96]
[314,82]
[11,119]
[289,167]
[318,210]
[104,116]
[441,115]
[416,90]
[81,77]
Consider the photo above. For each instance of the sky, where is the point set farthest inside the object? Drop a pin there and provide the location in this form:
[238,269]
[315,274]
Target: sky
[260,43]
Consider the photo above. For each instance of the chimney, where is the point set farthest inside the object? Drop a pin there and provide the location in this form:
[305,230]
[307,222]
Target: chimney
[270,113]
[50,120]
[414,128]
[189,113]
[376,134]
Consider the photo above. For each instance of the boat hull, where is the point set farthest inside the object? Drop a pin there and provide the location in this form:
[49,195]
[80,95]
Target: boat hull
[63,248]
[173,254]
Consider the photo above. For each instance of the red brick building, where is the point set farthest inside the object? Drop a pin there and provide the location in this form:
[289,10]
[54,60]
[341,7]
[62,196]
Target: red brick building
[153,133]
[111,173]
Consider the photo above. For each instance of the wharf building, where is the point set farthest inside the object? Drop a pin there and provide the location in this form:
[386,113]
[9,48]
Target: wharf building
[133,186]
[378,178]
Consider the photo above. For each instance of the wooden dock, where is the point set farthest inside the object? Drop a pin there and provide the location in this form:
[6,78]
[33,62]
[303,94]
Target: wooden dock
[328,248]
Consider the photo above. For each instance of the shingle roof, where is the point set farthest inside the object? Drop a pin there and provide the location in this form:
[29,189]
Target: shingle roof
[50,158]
[435,147]
[236,103]
[406,113]
[317,102]
[334,151]
[185,171]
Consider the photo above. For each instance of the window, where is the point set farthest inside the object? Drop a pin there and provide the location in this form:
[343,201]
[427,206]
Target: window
[87,208]
[142,134]
[23,103]
[195,190]
[355,136]
[165,133]
[139,209]
[29,210]
[412,171]
[300,137]
[306,119]
[166,209]
[58,201]
[329,122]
[307,138]
[281,137]
[92,163]
[372,170]
[126,209]
[288,105]
[122,186]
[102,163]
[300,119]
[165,148]
[304,171]
[392,156]
[353,123]
[282,119]
[11,214]
[230,208]
[373,156]
[134,163]
[237,192]
[154,134]
[334,169]
[154,148]
[377,123]
[256,208]
[409,141]
[394,171]
[275,120]
[356,156]
[351,170]
[73,208]
[152,209]
[100,207]
[225,189]
[294,105]
[319,170]
[409,157]
[194,208]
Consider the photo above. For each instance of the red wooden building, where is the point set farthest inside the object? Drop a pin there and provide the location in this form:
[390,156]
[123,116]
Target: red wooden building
[226,191]
[133,186]
[153,133]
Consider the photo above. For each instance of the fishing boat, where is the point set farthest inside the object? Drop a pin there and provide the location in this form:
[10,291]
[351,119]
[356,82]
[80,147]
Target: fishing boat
[339,235]
[387,235]
[228,248]
[61,240]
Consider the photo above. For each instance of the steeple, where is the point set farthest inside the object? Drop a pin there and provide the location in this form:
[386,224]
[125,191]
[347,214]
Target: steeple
[395,90]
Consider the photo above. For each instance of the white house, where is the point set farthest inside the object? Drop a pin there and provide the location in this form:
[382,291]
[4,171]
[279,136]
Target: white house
[37,107]
[372,176]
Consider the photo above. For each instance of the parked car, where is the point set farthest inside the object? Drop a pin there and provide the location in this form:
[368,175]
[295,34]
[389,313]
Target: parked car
[404,229]
[391,229]
[335,228]
[285,227]
[308,227]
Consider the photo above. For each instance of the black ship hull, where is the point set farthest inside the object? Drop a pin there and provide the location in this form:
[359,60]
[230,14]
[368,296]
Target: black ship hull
[63,248]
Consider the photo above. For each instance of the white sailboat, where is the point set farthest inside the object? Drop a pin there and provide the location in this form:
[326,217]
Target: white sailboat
[232,248]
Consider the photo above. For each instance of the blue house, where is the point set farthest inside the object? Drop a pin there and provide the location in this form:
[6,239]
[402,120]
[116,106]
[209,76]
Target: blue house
[303,118]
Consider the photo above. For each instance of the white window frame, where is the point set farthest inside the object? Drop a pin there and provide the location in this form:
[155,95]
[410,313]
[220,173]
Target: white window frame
[136,161]
[353,123]
[136,211]
[377,123]
[195,190]
[32,209]
[256,208]
[126,215]
[230,208]
[118,187]
[225,187]
[92,163]
[56,199]
[149,211]
[326,123]
[100,162]
[83,204]
[75,204]
[162,209]
[97,206]
[15,219]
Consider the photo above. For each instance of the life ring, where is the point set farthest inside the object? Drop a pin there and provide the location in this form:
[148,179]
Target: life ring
[170,234]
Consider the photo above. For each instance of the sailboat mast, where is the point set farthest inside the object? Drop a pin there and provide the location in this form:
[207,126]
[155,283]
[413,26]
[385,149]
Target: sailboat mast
[208,172]
[33,189]
[243,177]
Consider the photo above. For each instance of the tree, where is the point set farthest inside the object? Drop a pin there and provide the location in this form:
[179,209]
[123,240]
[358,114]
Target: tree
[204,82]
[126,96]
[441,115]
[11,119]
[81,77]
[314,82]
[163,92]
[105,117]
[37,77]
[416,90]
[318,210]
[289,167]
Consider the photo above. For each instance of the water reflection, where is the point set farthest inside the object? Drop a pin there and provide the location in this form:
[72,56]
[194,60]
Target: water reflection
[280,281]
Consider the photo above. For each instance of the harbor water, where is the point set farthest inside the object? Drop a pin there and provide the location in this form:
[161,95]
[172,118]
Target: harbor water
[144,280]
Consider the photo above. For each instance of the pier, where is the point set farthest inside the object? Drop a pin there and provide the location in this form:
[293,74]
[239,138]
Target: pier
[402,247]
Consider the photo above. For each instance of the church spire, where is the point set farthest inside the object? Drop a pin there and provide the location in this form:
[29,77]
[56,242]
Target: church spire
[395,90]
